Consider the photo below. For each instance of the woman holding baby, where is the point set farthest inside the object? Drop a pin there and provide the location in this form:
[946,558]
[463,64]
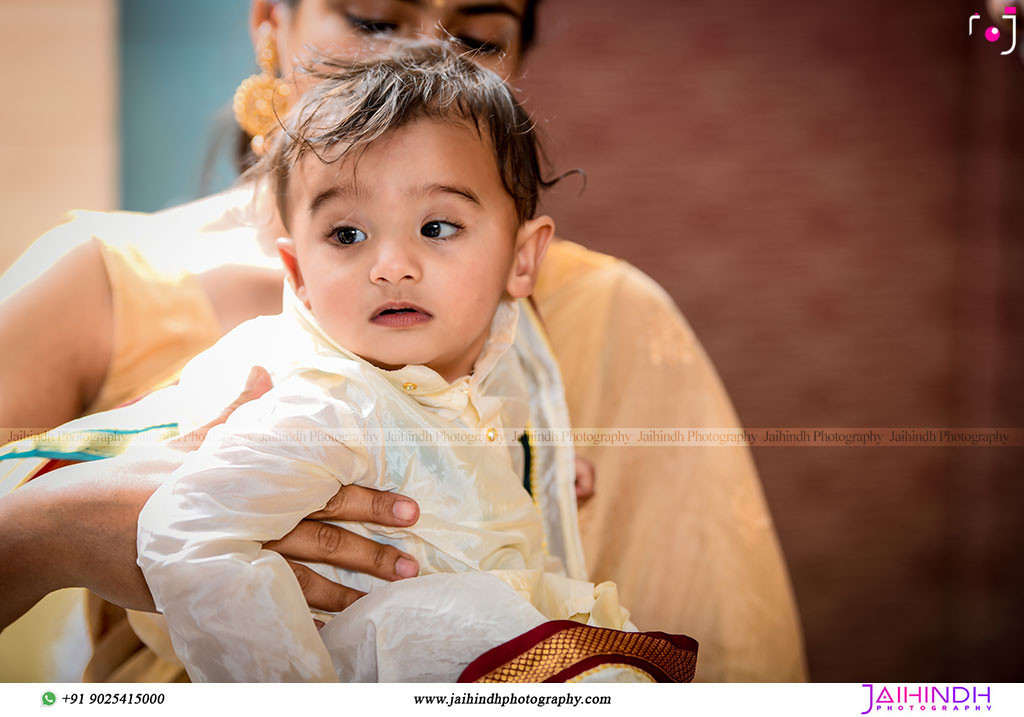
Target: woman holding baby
[684,531]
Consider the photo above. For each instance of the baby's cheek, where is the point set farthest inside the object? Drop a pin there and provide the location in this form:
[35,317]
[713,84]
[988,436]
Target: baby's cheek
[332,291]
[336,314]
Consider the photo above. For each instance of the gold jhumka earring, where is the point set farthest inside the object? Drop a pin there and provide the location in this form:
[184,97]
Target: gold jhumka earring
[261,99]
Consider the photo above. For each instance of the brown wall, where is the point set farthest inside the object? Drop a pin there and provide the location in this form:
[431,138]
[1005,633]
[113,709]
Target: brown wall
[833,196]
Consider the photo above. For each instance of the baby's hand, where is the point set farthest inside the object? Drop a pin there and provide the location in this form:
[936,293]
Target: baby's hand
[586,477]
[256,385]
[318,542]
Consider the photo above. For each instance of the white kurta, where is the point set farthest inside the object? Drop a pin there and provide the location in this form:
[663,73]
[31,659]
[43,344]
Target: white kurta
[235,610]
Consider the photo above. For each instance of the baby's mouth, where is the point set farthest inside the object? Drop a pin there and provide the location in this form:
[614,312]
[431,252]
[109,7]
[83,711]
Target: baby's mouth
[399,314]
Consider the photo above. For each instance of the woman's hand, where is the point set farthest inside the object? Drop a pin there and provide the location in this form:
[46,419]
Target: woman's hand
[317,542]
[77,526]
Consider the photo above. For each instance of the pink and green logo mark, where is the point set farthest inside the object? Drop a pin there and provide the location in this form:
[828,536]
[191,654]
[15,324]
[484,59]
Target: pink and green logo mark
[992,33]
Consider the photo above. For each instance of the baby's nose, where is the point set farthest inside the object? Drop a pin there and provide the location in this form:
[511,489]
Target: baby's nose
[395,262]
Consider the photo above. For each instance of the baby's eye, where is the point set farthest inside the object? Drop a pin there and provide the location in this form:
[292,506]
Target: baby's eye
[348,235]
[371,27]
[439,230]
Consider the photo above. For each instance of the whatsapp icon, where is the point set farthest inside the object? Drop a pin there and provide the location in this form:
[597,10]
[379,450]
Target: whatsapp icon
[49,698]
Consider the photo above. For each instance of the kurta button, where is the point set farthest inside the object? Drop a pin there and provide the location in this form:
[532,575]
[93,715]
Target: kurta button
[492,435]
[409,386]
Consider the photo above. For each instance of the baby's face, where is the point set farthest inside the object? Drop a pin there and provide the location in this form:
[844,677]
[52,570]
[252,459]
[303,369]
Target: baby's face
[404,250]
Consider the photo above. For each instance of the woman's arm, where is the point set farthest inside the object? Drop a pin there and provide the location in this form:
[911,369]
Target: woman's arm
[74,528]
[57,334]
[77,527]
[84,319]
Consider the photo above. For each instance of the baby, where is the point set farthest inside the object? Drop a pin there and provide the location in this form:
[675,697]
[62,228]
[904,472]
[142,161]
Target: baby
[406,359]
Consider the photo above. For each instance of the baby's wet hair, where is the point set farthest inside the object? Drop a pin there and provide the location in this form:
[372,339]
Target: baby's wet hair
[355,102]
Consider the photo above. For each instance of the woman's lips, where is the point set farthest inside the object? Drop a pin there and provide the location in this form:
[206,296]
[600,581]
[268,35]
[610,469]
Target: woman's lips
[400,318]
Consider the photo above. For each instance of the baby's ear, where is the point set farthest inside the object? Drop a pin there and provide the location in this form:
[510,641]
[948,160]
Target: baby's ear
[286,248]
[532,242]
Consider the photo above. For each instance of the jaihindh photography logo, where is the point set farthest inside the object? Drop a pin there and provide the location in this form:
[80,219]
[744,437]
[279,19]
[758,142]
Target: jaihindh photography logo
[927,698]
[992,34]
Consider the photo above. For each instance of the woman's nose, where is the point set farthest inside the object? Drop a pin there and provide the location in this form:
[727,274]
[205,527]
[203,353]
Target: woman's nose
[395,261]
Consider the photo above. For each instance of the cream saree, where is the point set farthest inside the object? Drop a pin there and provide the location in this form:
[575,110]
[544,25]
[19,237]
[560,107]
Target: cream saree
[684,531]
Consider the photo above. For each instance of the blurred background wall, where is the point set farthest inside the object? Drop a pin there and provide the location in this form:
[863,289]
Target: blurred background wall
[833,194]
[58,127]
[180,63]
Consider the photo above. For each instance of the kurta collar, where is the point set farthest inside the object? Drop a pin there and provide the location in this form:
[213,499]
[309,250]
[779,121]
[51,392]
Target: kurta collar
[422,383]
